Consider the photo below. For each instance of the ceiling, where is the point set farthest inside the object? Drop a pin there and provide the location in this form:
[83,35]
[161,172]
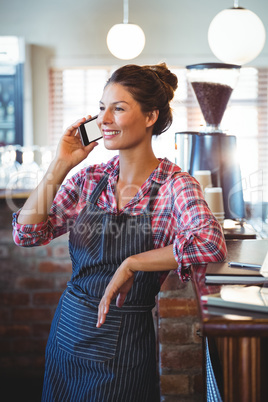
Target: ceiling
[174,29]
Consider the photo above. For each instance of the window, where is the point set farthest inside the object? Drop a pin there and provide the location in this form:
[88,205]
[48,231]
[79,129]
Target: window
[76,92]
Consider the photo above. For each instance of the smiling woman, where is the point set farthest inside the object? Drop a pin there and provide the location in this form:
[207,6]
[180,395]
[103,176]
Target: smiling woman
[131,221]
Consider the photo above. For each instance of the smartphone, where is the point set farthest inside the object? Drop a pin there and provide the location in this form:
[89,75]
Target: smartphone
[89,131]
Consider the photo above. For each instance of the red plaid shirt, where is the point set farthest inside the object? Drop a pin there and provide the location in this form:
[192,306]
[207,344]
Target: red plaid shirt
[180,214]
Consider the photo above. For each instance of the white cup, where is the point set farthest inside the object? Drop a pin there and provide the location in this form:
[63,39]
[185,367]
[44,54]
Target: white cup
[204,178]
[214,199]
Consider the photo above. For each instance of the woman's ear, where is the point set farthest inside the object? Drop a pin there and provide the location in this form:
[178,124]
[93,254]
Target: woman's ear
[152,117]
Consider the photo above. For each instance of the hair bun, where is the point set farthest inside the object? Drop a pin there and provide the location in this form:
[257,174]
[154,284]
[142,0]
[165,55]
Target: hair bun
[169,79]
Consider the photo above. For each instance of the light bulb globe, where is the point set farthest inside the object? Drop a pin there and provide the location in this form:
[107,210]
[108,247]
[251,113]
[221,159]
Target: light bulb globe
[236,36]
[125,41]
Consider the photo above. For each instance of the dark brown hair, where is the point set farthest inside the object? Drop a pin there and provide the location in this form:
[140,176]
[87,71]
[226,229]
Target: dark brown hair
[152,87]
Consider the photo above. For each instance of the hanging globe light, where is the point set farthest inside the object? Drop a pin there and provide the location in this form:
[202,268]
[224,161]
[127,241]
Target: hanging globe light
[125,41]
[236,35]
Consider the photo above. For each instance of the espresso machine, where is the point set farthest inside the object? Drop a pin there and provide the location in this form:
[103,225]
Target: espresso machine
[211,148]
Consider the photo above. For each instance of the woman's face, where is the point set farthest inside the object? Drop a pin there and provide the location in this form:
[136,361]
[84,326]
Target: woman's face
[121,121]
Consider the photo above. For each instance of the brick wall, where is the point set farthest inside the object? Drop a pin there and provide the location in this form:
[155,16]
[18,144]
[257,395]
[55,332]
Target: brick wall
[180,347]
[31,282]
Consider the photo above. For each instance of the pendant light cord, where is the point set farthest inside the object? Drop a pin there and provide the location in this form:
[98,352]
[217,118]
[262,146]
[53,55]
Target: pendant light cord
[236,5]
[125,9]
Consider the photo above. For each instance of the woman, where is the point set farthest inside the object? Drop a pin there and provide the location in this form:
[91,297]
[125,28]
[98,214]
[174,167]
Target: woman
[131,221]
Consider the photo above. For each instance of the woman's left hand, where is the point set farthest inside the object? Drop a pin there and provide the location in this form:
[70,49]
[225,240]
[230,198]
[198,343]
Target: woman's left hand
[118,288]
[149,261]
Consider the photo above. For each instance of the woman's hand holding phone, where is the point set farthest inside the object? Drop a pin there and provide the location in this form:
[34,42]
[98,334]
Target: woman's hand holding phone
[70,149]
[70,152]
[89,131]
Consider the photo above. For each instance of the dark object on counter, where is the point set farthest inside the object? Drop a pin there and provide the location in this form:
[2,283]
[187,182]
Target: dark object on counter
[245,251]
[215,152]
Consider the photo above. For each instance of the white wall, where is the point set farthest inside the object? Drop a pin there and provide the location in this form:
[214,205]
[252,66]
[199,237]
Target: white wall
[65,32]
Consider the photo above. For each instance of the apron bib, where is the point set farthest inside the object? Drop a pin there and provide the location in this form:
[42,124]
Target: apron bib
[99,242]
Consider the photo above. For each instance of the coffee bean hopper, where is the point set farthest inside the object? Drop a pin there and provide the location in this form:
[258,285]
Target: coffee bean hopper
[211,148]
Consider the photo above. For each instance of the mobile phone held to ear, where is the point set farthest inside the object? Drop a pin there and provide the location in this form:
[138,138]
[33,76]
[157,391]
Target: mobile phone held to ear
[89,131]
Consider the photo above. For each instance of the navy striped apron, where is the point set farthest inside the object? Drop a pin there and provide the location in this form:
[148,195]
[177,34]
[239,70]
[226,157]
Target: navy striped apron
[117,362]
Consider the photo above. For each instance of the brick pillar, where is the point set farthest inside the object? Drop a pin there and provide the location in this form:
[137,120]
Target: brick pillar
[31,282]
[180,347]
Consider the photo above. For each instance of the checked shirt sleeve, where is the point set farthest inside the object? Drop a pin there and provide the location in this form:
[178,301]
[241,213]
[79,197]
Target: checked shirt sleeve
[199,238]
[63,212]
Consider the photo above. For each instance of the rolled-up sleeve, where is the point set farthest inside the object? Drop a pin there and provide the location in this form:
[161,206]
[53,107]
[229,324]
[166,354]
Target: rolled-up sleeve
[199,238]
[63,213]
[30,235]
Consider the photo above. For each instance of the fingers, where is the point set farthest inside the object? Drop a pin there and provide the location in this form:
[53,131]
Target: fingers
[91,146]
[118,287]
[105,305]
[110,294]
[103,310]
[121,299]
[71,130]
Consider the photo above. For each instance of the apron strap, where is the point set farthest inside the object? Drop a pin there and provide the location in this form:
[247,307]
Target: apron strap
[153,194]
[94,196]
[103,183]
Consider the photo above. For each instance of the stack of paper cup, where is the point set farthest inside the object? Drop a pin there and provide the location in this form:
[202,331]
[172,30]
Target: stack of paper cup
[204,178]
[214,199]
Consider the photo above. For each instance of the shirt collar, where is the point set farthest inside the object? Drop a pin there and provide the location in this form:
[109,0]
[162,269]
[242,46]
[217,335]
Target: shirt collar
[164,170]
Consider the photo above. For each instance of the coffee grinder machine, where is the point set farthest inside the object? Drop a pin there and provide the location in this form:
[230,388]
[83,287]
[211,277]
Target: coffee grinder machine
[211,148]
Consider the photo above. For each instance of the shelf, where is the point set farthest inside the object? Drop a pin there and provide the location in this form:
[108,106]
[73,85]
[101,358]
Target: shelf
[7,194]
